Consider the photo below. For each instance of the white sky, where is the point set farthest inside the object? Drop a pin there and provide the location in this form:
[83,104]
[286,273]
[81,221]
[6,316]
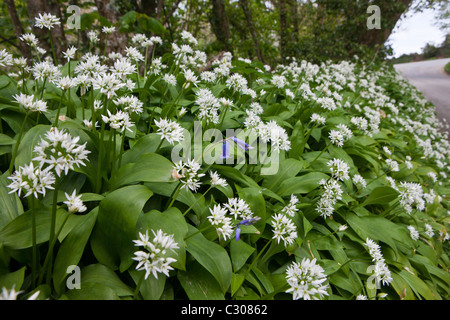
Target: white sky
[414,31]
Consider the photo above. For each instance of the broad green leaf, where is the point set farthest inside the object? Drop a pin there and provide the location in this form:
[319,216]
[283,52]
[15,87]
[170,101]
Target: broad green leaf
[115,230]
[199,284]
[298,141]
[236,281]
[419,287]
[240,251]
[13,279]
[11,206]
[185,196]
[149,167]
[171,222]
[381,195]
[104,276]
[301,184]
[145,144]
[379,229]
[151,288]
[72,248]
[27,144]
[255,199]
[288,168]
[17,233]
[211,256]
[92,291]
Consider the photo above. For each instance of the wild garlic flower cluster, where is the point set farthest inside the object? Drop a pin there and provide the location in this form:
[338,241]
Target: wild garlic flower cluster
[306,280]
[291,208]
[340,135]
[28,102]
[154,257]
[224,224]
[381,271]
[331,195]
[283,229]
[60,152]
[46,20]
[57,153]
[411,196]
[339,169]
[209,106]
[12,294]
[119,121]
[170,130]
[216,180]
[28,180]
[188,174]
[74,202]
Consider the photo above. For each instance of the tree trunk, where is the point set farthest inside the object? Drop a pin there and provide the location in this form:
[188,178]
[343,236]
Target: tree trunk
[282,11]
[294,17]
[117,41]
[23,47]
[377,37]
[219,23]
[57,32]
[35,7]
[248,16]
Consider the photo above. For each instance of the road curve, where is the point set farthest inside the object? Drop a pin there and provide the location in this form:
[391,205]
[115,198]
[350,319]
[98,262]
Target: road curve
[430,78]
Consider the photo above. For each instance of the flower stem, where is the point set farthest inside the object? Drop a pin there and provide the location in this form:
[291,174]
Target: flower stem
[174,195]
[59,109]
[138,287]
[33,241]
[256,259]
[52,46]
[52,230]
[16,146]
[51,245]
[192,205]
[197,232]
[122,150]
[160,144]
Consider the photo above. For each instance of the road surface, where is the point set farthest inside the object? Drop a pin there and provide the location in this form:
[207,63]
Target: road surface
[430,78]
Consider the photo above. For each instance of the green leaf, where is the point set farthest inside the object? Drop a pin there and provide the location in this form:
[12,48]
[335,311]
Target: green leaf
[17,233]
[298,141]
[104,276]
[185,196]
[212,257]
[27,144]
[171,222]
[115,230]
[13,279]
[240,251]
[419,287]
[11,206]
[255,199]
[145,144]
[301,184]
[380,229]
[92,291]
[199,284]
[72,247]
[151,288]
[381,195]
[150,167]
[288,168]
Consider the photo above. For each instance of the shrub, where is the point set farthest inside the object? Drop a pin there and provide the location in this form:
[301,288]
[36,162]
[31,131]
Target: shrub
[335,188]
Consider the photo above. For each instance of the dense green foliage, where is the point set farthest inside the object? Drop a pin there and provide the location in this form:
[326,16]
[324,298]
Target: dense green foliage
[89,167]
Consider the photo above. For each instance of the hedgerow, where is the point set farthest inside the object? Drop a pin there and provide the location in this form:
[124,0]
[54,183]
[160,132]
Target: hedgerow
[322,181]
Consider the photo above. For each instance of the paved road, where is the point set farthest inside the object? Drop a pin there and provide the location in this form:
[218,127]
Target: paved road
[430,78]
